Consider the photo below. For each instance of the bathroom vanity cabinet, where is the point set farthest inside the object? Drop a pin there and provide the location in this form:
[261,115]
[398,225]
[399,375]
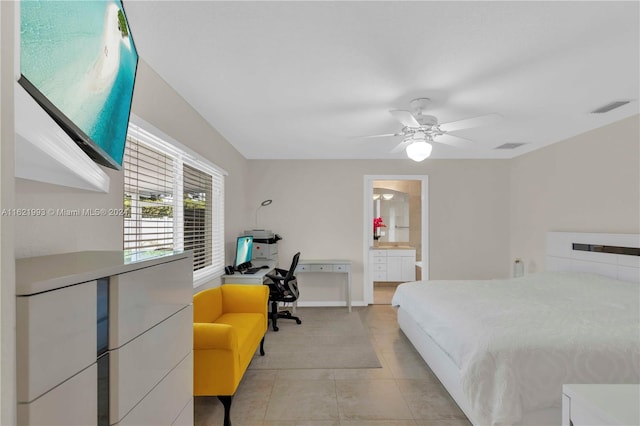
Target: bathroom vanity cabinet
[392,264]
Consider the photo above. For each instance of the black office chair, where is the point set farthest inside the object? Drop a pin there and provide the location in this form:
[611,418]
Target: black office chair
[283,288]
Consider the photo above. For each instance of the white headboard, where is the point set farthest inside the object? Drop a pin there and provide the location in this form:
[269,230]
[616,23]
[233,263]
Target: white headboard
[612,255]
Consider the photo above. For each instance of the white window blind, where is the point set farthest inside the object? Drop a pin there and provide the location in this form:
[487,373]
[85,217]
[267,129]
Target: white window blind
[217,221]
[174,201]
[148,199]
[197,189]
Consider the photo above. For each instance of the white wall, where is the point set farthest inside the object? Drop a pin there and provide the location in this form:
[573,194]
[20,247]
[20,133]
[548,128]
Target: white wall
[483,213]
[59,234]
[7,261]
[588,183]
[157,103]
[318,209]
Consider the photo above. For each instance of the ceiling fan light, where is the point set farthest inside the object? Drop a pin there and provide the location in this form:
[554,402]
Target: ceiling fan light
[418,151]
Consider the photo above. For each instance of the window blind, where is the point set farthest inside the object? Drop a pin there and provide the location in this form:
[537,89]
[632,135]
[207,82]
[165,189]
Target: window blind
[174,201]
[148,192]
[197,214]
[217,221]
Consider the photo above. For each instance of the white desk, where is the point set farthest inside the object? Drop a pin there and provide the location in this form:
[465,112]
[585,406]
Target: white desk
[340,266]
[255,279]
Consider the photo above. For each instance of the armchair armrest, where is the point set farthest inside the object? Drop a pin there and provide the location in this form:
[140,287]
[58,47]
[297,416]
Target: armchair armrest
[240,298]
[214,336]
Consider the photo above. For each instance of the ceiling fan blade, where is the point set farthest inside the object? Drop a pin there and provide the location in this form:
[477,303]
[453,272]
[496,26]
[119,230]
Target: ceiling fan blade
[481,120]
[405,117]
[456,141]
[402,145]
[379,136]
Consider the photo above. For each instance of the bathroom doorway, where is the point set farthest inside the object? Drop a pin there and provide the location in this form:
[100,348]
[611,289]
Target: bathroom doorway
[396,234]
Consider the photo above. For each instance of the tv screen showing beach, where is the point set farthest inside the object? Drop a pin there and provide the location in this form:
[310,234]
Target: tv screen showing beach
[78,61]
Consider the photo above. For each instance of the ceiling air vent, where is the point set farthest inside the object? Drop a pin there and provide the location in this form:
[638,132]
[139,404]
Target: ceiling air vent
[512,145]
[609,107]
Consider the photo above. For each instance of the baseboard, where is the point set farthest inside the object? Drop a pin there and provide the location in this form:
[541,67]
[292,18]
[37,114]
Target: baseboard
[337,303]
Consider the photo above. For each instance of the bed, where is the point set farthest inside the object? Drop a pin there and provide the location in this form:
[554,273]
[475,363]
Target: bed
[503,348]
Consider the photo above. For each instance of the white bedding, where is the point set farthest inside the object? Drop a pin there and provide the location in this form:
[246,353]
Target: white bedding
[517,341]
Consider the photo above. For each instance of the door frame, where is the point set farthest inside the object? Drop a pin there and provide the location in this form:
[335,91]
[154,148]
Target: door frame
[368,226]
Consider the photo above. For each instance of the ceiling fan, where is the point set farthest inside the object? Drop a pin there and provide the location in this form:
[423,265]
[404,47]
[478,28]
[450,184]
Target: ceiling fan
[420,130]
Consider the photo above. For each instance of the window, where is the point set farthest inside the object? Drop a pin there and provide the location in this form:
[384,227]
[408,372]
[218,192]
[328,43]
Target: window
[174,200]
[196,189]
[148,199]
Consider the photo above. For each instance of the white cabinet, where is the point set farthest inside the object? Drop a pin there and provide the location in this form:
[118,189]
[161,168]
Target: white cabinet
[394,268]
[393,264]
[104,338]
[408,272]
[601,405]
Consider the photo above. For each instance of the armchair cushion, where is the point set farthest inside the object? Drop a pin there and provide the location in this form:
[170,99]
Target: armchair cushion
[214,336]
[249,329]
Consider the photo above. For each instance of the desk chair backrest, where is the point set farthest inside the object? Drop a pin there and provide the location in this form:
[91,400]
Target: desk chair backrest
[290,282]
[284,286]
[292,269]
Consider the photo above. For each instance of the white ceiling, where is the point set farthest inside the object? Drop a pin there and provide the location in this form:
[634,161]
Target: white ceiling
[296,80]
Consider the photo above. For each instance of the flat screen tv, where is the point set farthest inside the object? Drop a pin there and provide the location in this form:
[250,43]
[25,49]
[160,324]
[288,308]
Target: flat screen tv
[78,61]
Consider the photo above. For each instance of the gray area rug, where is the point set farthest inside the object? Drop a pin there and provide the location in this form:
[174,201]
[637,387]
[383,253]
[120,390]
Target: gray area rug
[327,338]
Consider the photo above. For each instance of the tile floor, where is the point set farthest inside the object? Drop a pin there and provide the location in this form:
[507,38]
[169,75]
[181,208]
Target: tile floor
[404,392]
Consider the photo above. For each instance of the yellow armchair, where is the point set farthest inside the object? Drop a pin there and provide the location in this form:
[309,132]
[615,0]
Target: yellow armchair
[229,323]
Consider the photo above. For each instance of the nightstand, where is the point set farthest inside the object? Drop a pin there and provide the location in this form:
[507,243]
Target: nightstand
[600,405]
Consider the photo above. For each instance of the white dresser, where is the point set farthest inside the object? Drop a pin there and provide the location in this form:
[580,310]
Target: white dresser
[104,339]
[391,264]
[600,405]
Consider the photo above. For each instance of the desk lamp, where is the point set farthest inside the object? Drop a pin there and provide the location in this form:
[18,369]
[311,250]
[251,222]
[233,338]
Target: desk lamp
[262,204]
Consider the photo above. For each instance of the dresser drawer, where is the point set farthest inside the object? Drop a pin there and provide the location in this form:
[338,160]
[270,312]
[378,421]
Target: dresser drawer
[401,253]
[146,297]
[321,268]
[341,268]
[54,328]
[378,253]
[168,397]
[139,365]
[47,409]
[379,267]
[382,260]
[380,276]
[303,268]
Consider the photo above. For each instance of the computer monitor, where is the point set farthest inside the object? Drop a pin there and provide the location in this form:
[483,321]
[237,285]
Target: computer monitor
[244,249]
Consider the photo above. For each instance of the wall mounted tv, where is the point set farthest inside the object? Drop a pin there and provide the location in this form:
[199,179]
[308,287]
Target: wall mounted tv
[78,61]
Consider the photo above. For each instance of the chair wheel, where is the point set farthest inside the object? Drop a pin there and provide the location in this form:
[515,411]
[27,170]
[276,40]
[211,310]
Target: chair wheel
[276,328]
[298,321]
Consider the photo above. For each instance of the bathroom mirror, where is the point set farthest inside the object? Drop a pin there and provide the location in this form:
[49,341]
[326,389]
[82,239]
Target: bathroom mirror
[398,203]
[393,207]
